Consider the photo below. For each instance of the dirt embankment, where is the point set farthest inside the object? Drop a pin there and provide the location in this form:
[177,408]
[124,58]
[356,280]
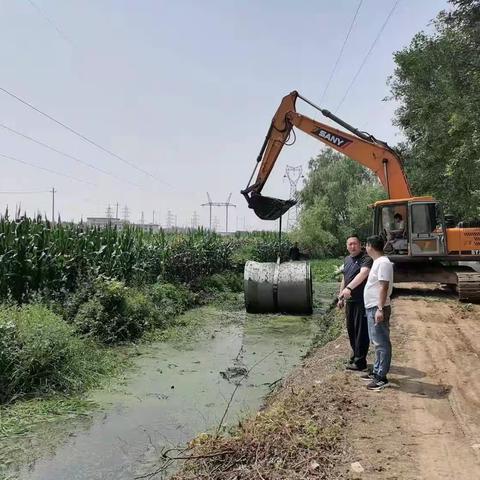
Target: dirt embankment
[426,425]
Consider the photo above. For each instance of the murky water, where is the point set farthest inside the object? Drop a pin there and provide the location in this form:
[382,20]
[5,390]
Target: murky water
[178,390]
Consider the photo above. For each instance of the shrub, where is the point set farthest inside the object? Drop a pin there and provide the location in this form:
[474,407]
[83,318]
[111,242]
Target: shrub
[223,282]
[115,313]
[170,300]
[259,247]
[40,353]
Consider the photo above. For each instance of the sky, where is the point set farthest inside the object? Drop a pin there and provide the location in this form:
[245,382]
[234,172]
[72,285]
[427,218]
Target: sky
[184,91]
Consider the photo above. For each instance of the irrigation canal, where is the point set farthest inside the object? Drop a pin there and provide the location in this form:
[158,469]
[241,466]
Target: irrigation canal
[178,389]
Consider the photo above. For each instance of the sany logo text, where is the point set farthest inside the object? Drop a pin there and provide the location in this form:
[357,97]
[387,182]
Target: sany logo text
[332,138]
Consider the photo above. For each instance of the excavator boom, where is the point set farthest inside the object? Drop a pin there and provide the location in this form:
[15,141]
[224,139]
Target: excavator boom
[359,146]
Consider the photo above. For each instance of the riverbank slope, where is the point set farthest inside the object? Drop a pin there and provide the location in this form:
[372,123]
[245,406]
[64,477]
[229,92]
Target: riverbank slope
[323,423]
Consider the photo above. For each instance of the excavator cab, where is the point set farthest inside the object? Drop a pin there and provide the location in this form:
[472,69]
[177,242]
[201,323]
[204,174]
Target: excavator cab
[413,227]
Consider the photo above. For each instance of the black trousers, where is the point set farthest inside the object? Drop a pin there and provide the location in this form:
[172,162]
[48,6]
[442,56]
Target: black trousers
[357,328]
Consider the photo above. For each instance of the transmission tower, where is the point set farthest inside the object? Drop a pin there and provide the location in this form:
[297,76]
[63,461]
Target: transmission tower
[109,212]
[125,213]
[226,204]
[195,220]
[171,219]
[293,174]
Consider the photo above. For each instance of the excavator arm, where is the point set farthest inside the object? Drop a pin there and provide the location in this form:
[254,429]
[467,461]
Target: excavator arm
[359,146]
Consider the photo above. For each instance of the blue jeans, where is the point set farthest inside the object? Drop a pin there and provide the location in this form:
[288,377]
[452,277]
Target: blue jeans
[380,337]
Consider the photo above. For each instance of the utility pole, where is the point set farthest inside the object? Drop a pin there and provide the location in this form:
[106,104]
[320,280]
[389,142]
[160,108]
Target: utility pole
[226,204]
[142,219]
[53,206]
[116,211]
[293,174]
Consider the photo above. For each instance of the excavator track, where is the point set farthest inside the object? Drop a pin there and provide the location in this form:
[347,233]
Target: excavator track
[468,287]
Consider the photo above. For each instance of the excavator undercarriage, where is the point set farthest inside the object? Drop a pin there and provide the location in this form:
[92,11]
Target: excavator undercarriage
[461,277]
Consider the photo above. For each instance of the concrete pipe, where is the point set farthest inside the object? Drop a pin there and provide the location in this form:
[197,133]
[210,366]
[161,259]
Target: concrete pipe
[273,287]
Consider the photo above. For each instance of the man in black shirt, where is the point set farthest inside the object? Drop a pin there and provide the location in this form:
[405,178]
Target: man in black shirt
[356,268]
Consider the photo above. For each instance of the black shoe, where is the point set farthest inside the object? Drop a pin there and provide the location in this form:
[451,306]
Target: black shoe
[377,384]
[355,368]
[369,377]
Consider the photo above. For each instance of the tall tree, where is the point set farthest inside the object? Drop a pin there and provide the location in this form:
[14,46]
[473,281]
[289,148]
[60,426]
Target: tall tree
[437,82]
[335,201]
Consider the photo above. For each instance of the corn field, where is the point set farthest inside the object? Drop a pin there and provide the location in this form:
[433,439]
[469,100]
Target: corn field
[37,257]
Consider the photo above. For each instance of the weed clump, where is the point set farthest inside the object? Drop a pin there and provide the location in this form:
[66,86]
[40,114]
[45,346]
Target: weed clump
[115,313]
[299,436]
[40,353]
[170,301]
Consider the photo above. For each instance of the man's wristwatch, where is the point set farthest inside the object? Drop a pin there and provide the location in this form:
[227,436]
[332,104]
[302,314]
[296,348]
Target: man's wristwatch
[348,288]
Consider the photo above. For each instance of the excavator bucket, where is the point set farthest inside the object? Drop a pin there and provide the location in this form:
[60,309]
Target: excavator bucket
[268,208]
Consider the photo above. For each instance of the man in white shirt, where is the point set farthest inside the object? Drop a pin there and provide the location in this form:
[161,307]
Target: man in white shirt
[378,290]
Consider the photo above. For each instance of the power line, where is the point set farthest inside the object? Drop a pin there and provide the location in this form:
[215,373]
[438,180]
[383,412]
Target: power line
[51,22]
[24,193]
[45,169]
[341,52]
[83,137]
[67,155]
[372,46]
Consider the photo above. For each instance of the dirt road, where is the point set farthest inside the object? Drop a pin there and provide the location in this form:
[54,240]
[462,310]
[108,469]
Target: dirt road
[427,424]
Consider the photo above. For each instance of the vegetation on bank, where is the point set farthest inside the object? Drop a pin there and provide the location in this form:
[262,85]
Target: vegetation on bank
[326,269]
[40,353]
[70,290]
[296,434]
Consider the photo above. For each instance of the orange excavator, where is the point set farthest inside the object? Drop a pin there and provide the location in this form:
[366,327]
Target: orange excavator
[422,242]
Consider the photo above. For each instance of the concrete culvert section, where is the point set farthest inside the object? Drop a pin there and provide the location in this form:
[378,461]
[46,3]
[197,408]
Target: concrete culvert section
[278,287]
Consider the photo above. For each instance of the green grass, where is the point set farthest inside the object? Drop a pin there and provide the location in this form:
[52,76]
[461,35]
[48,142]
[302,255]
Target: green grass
[324,270]
[41,354]
[22,417]
[331,327]
[34,427]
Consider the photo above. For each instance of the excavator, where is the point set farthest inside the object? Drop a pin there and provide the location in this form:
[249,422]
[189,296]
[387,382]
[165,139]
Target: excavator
[423,243]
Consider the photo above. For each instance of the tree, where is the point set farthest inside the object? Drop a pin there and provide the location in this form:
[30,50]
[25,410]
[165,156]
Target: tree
[437,82]
[335,201]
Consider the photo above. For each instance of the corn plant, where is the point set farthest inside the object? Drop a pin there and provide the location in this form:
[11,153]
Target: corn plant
[38,257]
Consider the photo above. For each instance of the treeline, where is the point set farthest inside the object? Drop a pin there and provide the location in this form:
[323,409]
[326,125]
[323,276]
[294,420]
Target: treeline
[437,84]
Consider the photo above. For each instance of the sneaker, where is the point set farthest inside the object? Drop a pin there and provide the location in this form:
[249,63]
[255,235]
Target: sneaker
[369,377]
[355,368]
[377,384]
